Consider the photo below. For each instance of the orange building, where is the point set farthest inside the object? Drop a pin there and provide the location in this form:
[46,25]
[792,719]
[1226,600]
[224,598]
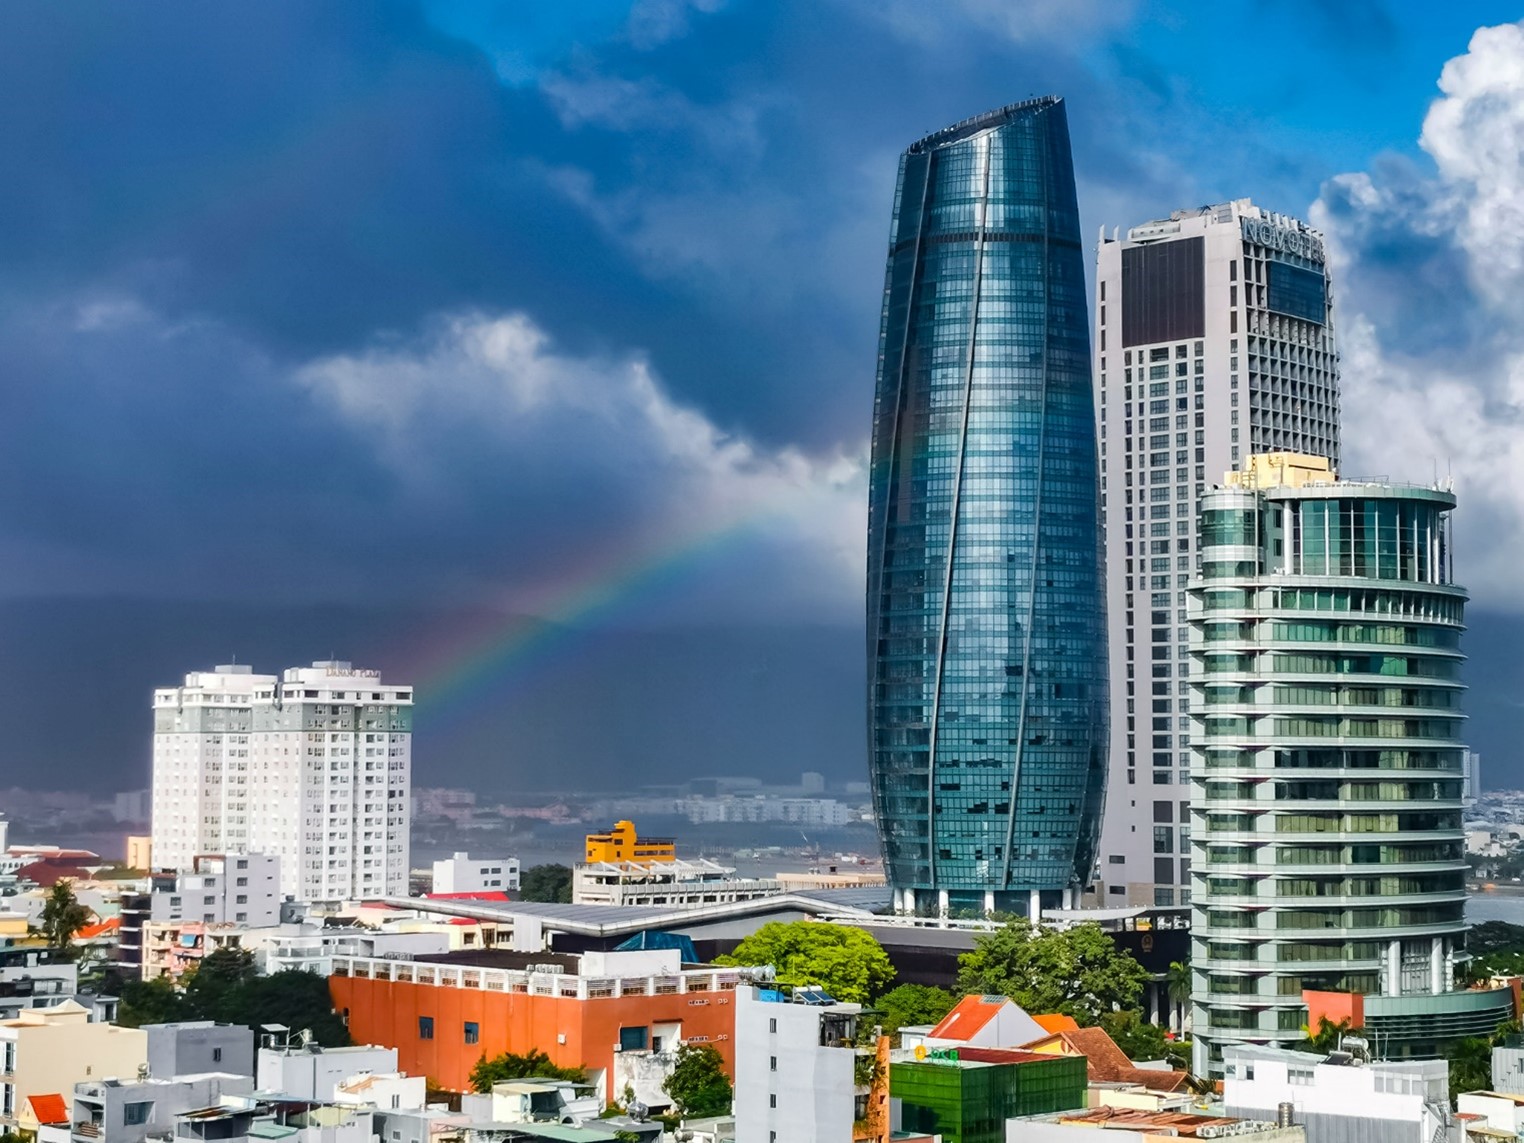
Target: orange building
[444,1013]
[622,844]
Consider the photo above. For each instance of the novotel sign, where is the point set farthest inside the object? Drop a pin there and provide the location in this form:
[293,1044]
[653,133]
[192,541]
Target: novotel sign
[1274,237]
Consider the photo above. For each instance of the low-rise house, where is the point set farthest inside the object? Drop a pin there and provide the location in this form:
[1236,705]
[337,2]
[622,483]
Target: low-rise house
[313,1072]
[129,1111]
[44,1051]
[196,1047]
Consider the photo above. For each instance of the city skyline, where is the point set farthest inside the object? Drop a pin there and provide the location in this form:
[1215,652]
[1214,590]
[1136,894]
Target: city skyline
[540,368]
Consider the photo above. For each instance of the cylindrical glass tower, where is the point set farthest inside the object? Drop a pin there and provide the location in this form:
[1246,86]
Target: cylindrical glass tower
[1327,763]
[986,627]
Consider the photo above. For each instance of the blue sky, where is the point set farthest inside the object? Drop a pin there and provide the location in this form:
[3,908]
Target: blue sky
[492,305]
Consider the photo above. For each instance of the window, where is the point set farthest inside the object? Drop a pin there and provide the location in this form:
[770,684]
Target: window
[772,1063]
[772,1024]
[473,1032]
[633,1039]
[772,1100]
[216,1055]
[425,1027]
[137,1114]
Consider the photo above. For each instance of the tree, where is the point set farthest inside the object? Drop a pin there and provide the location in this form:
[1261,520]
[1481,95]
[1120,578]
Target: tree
[155,1001]
[1177,981]
[698,1084]
[534,1064]
[1471,1059]
[299,1000]
[213,988]
[63,915]
[1076,971]
[912,1004]
[1136,1037]
[1328,1035]
[847,963]
[546,883]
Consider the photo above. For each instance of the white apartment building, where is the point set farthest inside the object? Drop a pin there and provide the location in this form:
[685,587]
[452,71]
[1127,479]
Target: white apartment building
[677,884]
[463,874]
[1339,1096]
[313,768]
[796,1077]
[241,889]
[1214,341]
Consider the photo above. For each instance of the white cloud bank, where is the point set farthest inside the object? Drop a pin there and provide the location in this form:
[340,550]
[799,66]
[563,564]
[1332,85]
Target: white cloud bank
[1430,279]
[607,423]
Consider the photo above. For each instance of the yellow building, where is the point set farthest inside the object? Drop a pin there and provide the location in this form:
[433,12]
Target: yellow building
[48,1050]
[139,852]
[623,844]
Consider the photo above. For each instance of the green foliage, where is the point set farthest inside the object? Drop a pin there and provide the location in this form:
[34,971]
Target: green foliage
[1177,981]
[62,915]
[1135,1036]
[1497,949]
[225,987]
[534,1064]
[912,1004]
[847,963]
[546,883]
[155,1001]
[1471,1059]
[1328,1036]
[1077,971]
[698,1084]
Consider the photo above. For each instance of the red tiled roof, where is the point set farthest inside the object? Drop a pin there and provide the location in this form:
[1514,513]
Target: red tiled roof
[89,932]
[45,875]
[968,1016]
[1107,1063]
[49,1108]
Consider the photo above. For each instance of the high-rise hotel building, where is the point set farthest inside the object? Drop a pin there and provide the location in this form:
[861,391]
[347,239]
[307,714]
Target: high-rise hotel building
[314,767]
[1328,854]
[1214,341]
[986,625]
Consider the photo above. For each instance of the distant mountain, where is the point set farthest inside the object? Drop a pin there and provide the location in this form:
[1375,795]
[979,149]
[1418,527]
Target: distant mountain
[571,709]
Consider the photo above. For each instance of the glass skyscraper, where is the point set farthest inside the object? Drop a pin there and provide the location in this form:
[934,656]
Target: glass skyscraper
[986,609]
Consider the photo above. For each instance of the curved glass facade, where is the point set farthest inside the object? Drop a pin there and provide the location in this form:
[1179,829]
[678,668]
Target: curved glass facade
[986,624]
[1326,735]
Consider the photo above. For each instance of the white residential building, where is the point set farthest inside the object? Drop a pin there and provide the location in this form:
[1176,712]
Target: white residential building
[462,874]
[314,1072]
[796,1067]
[241,889]
[1214,341]
[1337,1097]
[313,768]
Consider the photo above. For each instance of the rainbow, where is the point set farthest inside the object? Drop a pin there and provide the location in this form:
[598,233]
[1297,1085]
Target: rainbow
[462,668]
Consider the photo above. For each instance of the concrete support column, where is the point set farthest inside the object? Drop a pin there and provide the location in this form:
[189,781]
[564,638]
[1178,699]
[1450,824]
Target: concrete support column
[1034,908]
[942,902]
[1437,966]
[907,901]
[1394,968]
[989,900]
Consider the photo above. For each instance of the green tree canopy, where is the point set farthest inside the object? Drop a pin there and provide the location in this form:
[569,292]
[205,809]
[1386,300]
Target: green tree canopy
[1142,1040]
[912,1004]
[534,1064]
[546,883]
[1078,971]
[698,1084]
[155,1001]
[63,915]
[846,962]
[226,987]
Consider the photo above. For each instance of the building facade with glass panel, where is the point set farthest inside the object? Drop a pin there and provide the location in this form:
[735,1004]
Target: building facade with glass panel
[1214,341]
[986,611]
[1327,763]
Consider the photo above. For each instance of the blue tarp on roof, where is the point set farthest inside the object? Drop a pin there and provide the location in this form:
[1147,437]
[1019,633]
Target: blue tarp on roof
[655,939]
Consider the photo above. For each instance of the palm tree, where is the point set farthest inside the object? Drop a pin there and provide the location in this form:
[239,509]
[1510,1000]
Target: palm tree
[1177,986]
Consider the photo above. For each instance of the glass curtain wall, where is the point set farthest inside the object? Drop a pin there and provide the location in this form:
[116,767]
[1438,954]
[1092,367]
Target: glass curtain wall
[987,656]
